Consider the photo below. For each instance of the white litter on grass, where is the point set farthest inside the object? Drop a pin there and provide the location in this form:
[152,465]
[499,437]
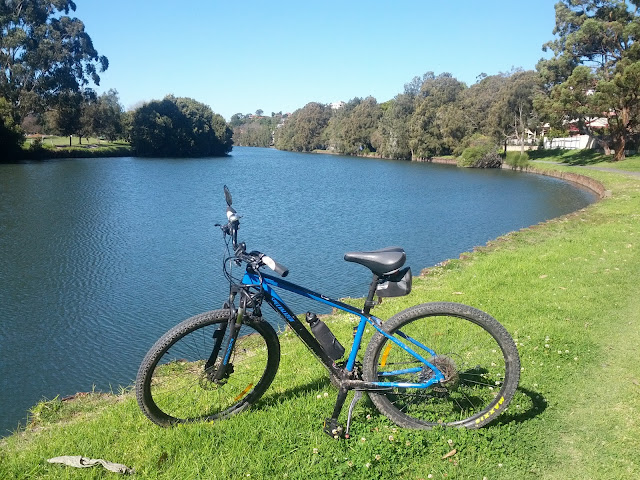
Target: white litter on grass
[78,461]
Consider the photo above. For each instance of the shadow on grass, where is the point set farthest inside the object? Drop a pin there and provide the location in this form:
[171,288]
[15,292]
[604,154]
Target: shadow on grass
[291,393]
[538,405]
[571,157]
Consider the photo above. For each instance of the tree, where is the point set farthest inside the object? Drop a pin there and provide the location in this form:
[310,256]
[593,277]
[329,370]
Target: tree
[393,128]
[435,94]
[360,125]
[43,52]
[11,137]
[303,130]
[602,36]
[107,120]
[66,117]
[179,127]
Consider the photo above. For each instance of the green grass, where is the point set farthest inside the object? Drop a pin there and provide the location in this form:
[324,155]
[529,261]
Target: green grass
[587,158]
[568,292]
[58,147]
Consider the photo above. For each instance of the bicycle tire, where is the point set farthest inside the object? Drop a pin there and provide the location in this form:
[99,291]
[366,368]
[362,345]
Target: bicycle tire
[476,354]
[174,384]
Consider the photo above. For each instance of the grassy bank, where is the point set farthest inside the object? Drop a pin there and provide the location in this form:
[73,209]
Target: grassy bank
[58,147]
[568,292]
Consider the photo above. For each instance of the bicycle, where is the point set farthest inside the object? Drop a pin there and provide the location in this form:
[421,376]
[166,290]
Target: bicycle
[432,364]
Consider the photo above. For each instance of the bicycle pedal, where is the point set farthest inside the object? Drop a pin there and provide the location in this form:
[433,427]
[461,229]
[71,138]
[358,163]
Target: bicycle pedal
[333,428]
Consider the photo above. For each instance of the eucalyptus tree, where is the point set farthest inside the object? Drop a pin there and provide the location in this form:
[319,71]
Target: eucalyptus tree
[393,128]
[304,129]
[436,93]
[360,125]
[103,116]
[43,51]
[595,68]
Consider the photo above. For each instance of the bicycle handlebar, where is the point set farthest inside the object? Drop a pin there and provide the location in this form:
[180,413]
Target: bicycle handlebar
[275,266]
[256,258]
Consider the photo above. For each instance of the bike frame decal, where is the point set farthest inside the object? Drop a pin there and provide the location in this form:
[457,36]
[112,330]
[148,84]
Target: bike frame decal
[266,282]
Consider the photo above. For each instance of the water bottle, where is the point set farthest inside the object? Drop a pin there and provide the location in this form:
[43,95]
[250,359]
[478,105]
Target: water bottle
[324,336]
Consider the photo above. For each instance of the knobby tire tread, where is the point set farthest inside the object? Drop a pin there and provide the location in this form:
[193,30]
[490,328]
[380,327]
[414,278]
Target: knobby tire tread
[448,309]
[145,372]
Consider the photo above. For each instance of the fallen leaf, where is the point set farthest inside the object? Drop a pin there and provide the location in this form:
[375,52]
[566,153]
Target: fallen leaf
[450,454]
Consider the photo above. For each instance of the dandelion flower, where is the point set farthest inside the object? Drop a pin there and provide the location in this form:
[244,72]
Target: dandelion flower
[315,450]
[377,457]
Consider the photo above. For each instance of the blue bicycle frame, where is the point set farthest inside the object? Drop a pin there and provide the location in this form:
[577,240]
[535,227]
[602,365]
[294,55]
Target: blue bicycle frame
[266,284]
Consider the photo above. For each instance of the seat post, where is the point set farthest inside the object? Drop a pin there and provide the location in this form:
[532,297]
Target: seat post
[369,303]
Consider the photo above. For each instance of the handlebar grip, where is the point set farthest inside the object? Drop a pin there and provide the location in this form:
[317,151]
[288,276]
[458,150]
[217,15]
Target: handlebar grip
[275,266]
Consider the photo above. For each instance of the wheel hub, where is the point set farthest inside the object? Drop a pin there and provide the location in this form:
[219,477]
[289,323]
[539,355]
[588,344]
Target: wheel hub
[448,368]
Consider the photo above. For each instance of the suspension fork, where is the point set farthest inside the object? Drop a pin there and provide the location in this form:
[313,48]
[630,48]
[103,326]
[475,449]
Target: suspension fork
[236,316]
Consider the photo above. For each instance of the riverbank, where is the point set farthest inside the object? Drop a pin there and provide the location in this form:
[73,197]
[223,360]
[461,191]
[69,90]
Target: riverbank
[56,148]
[566,289]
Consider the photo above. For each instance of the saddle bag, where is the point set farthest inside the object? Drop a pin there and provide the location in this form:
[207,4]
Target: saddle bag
[395,284]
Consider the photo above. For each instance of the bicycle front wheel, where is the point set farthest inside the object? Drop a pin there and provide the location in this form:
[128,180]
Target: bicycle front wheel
[476,355]
[176,384]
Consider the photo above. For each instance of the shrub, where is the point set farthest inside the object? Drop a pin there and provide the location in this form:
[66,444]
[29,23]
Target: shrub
[517,160]
[481,153]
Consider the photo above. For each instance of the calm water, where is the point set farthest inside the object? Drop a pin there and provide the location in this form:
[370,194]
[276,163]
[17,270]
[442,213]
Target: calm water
[98,258]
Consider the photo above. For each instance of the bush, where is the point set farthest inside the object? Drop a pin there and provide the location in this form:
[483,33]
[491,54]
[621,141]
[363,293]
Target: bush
[36,144]
[482,153]
[517,160]
[179,127]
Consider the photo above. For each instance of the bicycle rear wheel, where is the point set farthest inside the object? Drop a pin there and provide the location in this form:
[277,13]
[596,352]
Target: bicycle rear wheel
[476,355]
[175,381]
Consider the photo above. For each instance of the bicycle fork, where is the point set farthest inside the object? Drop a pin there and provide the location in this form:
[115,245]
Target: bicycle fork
[233,327]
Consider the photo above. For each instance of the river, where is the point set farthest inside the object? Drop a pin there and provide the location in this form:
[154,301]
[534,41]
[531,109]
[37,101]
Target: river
[98,257]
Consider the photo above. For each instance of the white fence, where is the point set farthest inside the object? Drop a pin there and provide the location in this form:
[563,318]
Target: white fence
[577,142]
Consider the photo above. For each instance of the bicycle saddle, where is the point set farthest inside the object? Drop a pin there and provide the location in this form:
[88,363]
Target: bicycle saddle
[380,262]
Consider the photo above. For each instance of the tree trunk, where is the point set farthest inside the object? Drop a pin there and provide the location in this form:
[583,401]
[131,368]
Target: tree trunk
[70,139]
[619,146]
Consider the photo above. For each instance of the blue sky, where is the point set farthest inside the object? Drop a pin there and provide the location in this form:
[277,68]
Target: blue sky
[240,56]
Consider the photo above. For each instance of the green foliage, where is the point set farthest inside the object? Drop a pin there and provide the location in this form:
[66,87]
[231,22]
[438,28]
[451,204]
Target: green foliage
[254,131]
[103,116]
[595,67]
[303,130]
[434,105]
[517,160]
[481,153]
[393,129]
[43,51]
[179,127]
[11,136]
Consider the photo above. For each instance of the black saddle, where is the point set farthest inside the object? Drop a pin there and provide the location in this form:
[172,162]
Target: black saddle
[380,262]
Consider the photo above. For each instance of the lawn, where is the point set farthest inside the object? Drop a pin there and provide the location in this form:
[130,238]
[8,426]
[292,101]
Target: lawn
[567,290]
